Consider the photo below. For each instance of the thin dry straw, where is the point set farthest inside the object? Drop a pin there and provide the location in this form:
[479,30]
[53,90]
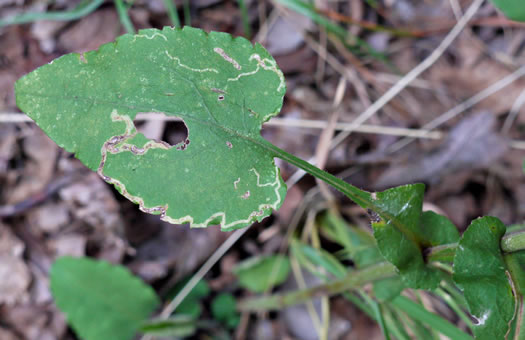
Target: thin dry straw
[286,122]
[403,83]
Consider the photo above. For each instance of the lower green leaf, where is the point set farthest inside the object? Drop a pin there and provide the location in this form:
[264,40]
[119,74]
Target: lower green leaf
[101,300]
[223,309]
[480,271]
[513,9]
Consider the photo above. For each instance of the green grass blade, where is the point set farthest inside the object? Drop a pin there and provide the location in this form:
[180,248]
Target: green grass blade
[245,19]
[123,16]
[381,320]
[309,11]
[83,9]
[176,326]
[359,303]
[172,13]
[187,13]
[396,326]
[449,300]
[416,328]
[436,322]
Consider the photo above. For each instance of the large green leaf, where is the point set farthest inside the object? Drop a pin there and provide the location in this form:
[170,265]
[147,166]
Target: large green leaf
[513,9]
[222,88]
[480,271]
[399,236]
[100,300]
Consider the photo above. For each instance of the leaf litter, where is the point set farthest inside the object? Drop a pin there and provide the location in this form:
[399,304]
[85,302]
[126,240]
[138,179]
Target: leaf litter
[113,229]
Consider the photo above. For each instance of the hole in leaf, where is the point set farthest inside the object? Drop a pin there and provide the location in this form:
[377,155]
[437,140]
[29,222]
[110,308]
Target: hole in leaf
[165,129]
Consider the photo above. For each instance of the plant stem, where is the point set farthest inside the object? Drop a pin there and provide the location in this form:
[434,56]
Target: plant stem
[519,332]
[441,253]
[510,243]
[361,197]
[352,280]
[513,242]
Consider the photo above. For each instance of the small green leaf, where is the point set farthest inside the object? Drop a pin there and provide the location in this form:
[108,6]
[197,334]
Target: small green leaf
[178,326]
[479,270]
[223,310]
[222,88]
[258,274]
[399,236]
[513,9]
[100,300]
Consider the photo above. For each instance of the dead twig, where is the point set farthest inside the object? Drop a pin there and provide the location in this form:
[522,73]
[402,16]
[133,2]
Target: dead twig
[36,199]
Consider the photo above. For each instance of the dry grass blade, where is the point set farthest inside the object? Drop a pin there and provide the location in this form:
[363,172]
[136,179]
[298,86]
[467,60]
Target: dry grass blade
[323,147]
[458,109]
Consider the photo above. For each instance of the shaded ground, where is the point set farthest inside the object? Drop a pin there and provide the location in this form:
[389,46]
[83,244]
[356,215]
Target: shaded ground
[50,205]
